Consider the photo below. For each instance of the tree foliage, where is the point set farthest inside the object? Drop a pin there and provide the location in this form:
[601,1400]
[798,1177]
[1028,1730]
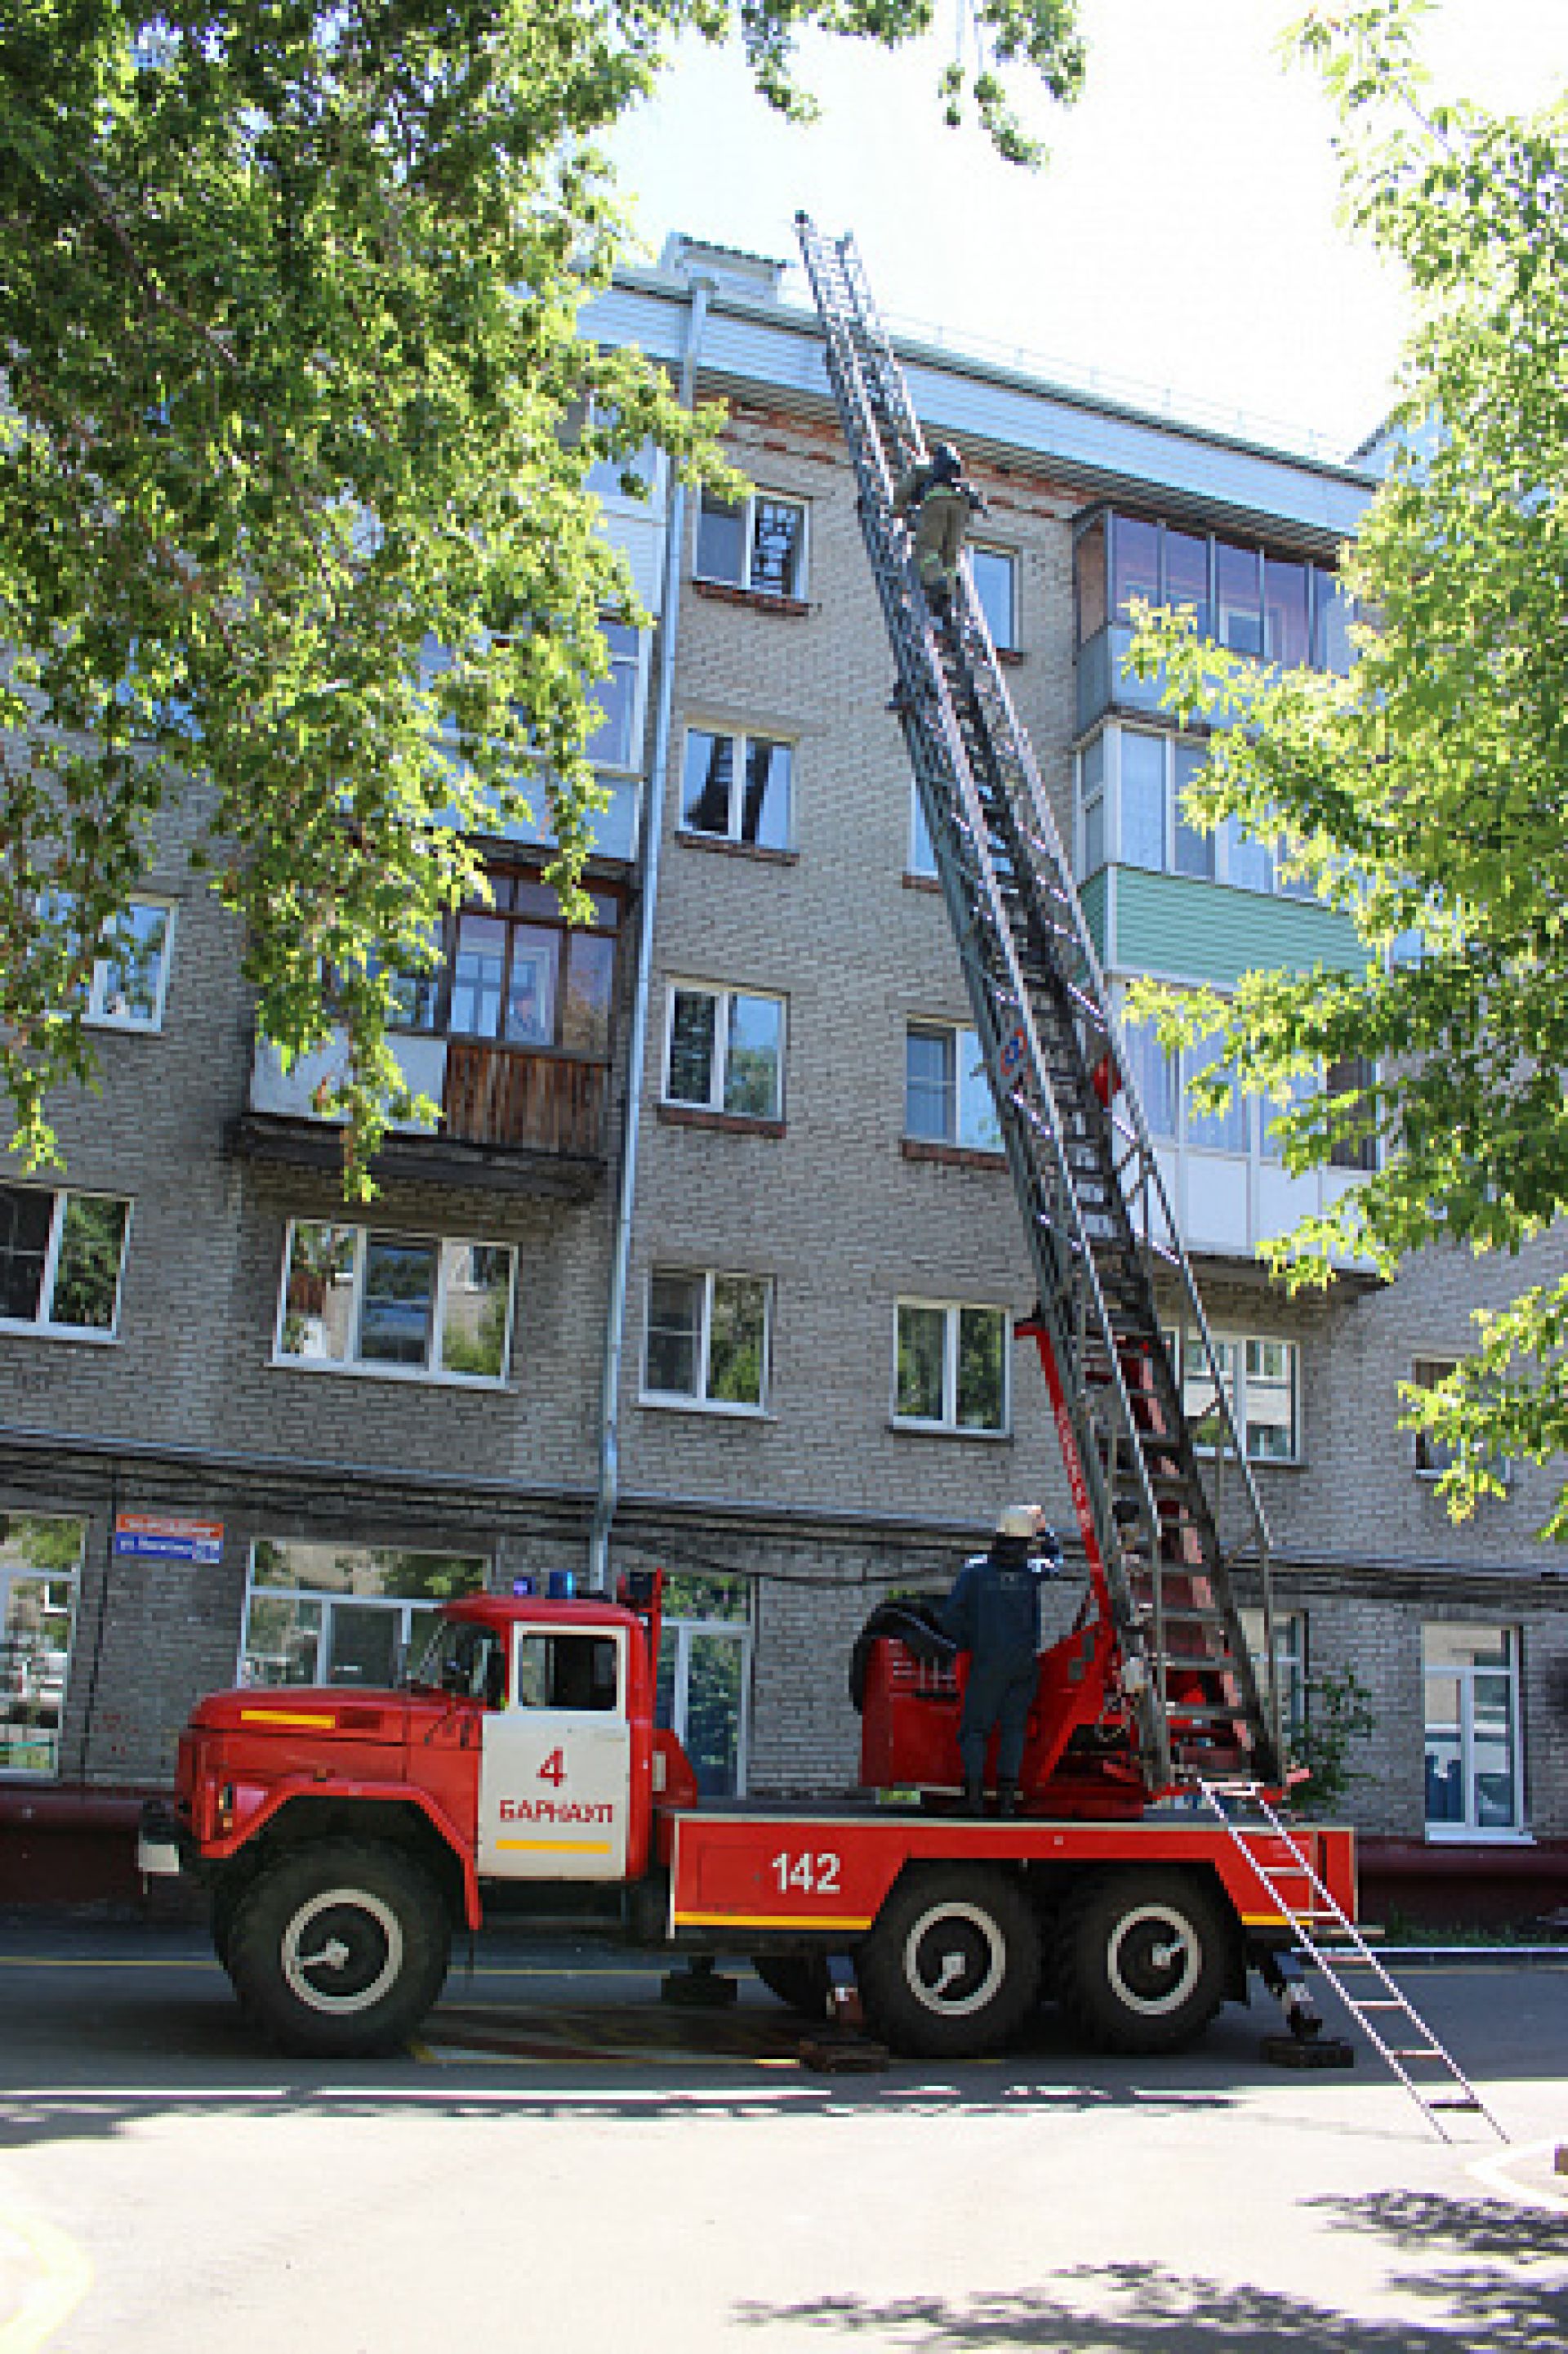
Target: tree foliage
[1424,795]
[295,392]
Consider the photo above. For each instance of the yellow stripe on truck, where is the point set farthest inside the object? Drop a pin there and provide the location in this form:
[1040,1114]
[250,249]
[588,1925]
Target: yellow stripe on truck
[684,1920]
[282,1716]
[557,1846]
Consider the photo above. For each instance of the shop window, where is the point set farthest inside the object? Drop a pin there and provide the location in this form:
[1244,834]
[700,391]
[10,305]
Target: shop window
[40,1572]
[951,1366]
[1473,1779]
[705,1677]
[61,1260]
[708,1339]
[329,1614]
[408,1306]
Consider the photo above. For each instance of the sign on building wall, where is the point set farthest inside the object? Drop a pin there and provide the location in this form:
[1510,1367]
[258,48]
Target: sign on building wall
[153,1536]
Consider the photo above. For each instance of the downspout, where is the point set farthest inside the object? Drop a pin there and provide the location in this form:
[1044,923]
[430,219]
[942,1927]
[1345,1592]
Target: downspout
[609,1488]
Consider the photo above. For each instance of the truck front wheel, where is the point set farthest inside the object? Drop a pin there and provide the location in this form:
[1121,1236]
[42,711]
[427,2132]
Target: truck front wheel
[951,1966]
[1141,1959]
[339,1948]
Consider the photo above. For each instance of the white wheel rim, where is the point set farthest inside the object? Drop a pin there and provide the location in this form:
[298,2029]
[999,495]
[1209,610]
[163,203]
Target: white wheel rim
[936,1966]
[314,1951]
[1149,1941]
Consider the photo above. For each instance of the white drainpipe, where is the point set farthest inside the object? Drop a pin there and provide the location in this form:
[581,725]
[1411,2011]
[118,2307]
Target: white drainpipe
[652,834]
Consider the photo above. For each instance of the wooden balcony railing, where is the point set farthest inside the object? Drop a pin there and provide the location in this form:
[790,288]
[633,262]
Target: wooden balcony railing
[508,1096]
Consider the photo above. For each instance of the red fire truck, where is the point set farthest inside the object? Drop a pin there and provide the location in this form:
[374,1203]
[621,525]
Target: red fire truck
[344,1833]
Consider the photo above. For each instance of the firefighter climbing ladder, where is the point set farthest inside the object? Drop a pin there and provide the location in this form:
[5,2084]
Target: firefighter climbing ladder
[1387,2018]
[1099,1222]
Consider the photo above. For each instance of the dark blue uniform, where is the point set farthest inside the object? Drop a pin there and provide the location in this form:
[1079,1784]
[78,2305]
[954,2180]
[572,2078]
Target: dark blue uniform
[993,1612]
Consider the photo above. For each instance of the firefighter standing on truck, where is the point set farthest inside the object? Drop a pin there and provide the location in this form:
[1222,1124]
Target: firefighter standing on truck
[993,1614]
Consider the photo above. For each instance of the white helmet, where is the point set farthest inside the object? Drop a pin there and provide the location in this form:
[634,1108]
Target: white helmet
[1020,1521]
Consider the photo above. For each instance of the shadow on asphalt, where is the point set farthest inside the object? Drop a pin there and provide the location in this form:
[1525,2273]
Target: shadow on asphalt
[1501,2306]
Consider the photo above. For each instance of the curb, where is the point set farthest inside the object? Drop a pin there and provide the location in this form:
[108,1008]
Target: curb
[1464,1958]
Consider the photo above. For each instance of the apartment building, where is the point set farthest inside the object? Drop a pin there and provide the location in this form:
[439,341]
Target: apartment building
[714,1261]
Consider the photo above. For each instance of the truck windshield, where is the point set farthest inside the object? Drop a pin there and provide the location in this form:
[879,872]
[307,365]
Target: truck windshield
[466,1660]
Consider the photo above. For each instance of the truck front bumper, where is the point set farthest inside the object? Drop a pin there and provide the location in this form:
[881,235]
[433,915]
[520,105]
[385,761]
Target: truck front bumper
[162,1843]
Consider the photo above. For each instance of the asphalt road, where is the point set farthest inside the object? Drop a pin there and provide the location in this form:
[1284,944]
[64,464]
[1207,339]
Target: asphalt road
[564,2163]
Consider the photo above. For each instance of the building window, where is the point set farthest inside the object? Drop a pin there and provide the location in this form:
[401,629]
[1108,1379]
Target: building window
[736,788]
[1259,1374]
[995,573]
[517,974]
[616,742]
[406,1306]
[1353,1077]
[324,1614]
[946,1094]
[40,1570]
[130,974]
[758,543]
[922,856]
[1274,607]
[1473,1784]
[1289,1664]
[1132,786]
[708,1339]
[61,1261]
[724,1052]
[951,1366]
[1433,1457]
[705,1677]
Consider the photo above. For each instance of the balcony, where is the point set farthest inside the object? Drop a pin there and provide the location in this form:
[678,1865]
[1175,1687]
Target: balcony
[511,1119]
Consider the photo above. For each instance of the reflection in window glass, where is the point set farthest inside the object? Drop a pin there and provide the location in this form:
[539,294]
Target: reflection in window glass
[922,857]
[1194,849]
[765,813]
[476,1303]
[590,985]
[1186,575]
[478,972]
[86,1273]
[344,1614]
[26,1221]
[1142,799]
[951,1366]
[1249,864]
[737,1340]
[720,539]
[128,978]
[531,986]
[352,1297]
[1135,556]
[40,1560]
[672,1364]
[1472,1742]
[706,781]
[922,1350]
[397,1303]
[1214,1131]
[752,1060]
[778,547]
[1090,576]
[1286,635]
[1154,1078]
[612,743]
[1239,595]
[994,572]
[982,1369]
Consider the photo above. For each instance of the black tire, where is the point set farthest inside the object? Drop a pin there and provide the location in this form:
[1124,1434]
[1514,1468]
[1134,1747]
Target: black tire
[951,1966]
[226,1895]
[802,1982]
[339,1948]
[1142,1959]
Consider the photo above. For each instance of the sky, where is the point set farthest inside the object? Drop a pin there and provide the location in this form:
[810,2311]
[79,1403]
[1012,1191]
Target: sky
[1181,247]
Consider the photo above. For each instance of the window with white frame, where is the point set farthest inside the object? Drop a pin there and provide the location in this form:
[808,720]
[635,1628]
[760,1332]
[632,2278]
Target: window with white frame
[995,573]
[736,788]
[131,973]
[705,1677]
[756,543]
[1289,1665]
[1433,1457]
[61,1260]
[1246,1124]
[40,1572]
[1131,787]
[708,1339]
[725,1051]
[617,740]
[1473,1778]
[411,1307]
[325,1614]
[1260,1376]
[951,1363]
[946,1094]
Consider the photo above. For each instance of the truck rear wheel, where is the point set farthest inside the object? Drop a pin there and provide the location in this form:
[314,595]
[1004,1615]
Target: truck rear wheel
[1141,1959]
[339,1948]
[951,1966]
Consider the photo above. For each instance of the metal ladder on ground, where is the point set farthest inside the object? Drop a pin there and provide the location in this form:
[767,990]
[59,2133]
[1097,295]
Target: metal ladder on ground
[1427,2070]
[1099,1222]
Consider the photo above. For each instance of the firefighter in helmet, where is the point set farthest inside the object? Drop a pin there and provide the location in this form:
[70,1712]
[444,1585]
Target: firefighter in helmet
[993,1614]
[942,503]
